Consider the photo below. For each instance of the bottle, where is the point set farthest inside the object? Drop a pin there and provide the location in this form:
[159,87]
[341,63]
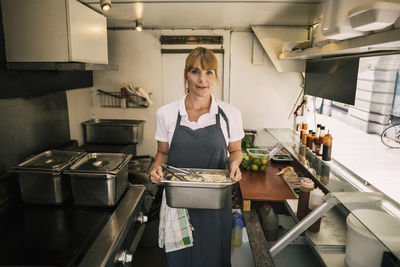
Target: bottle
[327,147]
[314,142]
[320,141]
[315,201]
[269,222]
[310,139]
[237,229]
[325,170]
[123,97]
[303,130]
[305,136]
[306,186]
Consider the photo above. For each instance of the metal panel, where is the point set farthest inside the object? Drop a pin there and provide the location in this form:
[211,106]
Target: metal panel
[30,126]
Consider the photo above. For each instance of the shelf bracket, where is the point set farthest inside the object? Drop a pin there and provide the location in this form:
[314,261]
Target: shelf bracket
[330,201]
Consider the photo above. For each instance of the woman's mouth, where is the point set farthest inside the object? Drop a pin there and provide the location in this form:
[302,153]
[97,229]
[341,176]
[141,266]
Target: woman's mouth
[201,87]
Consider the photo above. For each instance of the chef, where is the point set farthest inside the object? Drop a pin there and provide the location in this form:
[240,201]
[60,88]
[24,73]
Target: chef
[199,131]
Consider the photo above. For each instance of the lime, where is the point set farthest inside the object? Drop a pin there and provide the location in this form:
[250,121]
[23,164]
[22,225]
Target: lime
[254,167]
[257,161]
[245,156]
[264,161]
[245,164]
[263,167]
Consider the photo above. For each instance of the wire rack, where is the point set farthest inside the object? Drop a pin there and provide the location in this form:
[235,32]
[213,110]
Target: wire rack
[114,100]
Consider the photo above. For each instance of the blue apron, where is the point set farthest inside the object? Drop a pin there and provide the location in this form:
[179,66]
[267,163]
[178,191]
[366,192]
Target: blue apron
[204,148]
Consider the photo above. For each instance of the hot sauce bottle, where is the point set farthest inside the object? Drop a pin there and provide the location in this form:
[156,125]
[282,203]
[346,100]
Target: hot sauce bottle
[327,147]
[304,137]
[320,141]
[303,131]
[310,139]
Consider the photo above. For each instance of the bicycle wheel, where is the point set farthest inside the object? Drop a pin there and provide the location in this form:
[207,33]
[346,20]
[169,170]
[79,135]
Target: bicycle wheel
[391,136]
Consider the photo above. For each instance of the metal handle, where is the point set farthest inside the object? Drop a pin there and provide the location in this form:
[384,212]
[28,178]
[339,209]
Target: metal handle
[141,218]
[123,257]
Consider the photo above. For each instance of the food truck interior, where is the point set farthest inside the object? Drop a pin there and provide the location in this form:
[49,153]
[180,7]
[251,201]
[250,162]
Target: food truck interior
[81,82]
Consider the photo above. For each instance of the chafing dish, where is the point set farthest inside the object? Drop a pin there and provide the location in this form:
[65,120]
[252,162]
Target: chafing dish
[41,177]
[99,179]
[197,195]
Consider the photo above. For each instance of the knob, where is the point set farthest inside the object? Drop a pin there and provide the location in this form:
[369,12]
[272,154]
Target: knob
[141,218]
[123,257]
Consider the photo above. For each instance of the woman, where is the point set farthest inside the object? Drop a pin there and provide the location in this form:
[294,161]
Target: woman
[198,131]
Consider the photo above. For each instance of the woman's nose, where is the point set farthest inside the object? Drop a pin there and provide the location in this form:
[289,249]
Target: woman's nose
[202,77]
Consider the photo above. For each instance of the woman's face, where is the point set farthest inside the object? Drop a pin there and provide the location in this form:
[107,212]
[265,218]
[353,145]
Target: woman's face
[200,81]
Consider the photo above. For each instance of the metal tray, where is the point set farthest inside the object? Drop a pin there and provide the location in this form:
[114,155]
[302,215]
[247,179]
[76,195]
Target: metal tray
[197,195]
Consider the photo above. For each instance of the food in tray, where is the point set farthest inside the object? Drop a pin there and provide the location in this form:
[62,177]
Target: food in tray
[205,177]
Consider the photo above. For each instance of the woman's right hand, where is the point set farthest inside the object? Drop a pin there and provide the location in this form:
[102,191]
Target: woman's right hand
[156,174]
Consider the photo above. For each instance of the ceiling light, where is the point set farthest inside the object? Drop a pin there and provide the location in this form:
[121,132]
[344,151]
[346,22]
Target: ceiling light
[105,5]
[139,25]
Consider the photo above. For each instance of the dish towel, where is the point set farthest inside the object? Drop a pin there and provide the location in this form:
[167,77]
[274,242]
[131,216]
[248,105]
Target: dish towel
[175,230]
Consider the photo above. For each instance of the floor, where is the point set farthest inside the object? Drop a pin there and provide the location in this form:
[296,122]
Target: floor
[366,156]
[154,256]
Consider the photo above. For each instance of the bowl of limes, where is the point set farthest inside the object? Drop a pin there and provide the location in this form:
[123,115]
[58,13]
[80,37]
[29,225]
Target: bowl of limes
[258,158]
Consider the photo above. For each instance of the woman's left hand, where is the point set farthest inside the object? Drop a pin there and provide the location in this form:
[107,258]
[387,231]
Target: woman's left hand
[234,173]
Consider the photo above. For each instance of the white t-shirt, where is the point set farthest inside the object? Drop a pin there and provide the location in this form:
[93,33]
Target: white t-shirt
[167,116]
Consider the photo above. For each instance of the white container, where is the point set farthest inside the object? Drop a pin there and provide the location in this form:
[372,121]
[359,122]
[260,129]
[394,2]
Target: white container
[316,198]
[374,16]
[362,248]
[335,22]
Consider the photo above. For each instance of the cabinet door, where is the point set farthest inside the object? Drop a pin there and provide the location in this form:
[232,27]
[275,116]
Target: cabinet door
[35,31]
[87,32]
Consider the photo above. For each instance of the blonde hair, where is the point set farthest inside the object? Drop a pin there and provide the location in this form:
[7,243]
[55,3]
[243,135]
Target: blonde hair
[208,61]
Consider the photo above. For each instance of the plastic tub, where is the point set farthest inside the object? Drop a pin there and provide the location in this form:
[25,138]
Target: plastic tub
[374,16]
[362,248]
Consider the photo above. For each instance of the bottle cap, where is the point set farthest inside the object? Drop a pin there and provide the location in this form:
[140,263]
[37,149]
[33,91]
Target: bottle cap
[318,125]
[307,183]
[322,127]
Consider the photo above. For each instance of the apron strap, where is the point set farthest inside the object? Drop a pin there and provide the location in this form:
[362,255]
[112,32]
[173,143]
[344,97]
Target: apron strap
[220,111]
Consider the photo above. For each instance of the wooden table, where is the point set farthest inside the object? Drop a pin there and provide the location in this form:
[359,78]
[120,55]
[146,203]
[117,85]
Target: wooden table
[264,186]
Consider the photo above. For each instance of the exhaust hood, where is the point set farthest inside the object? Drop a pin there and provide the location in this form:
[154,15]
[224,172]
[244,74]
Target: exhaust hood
[273,38]
[54,35]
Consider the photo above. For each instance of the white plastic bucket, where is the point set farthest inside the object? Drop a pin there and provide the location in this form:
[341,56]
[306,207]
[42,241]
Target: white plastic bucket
[362,248]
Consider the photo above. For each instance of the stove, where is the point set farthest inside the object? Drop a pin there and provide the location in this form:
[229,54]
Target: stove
[67,235]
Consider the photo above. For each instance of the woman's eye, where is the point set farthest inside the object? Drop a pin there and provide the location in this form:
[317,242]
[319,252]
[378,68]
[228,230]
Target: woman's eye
[194,71]
[210,72]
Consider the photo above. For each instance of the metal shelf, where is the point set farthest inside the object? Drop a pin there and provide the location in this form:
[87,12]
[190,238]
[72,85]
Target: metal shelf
[114,100]
[376,43]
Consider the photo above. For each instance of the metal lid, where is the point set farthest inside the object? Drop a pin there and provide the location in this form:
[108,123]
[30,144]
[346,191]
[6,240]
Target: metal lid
[100,163]
[51,160]
[113,122]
